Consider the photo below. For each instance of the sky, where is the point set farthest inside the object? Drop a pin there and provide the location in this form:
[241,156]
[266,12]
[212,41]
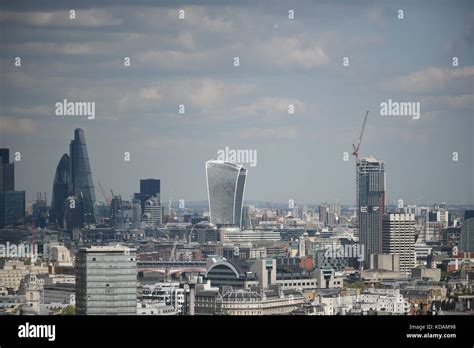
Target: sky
[282,61]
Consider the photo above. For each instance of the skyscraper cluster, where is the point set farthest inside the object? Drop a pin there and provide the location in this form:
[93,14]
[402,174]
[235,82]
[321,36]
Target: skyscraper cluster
[381,232]
[73,188]
[329,214]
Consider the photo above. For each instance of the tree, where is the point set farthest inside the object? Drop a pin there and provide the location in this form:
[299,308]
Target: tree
[69,310]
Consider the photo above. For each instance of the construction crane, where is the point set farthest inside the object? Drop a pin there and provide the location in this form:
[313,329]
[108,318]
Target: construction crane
[106,197]
[357,147]
[279,219]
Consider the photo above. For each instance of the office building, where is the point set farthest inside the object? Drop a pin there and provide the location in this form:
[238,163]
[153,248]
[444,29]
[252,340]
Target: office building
[148,188]
[153,215]
[246,218]
[225,186]
[60,189]
[234,234]
[467,232]
[370,179]
[329,214]
[7,171]
[106,281]
[273,301]
[387,262]
[12,203]
[12,208]
[436,220]
[398,237]
[81,184]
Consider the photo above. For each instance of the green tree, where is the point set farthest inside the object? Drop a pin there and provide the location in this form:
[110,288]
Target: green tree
[69,310]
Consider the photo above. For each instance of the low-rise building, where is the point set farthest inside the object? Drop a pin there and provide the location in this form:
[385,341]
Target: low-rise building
[265,302]
[14,271]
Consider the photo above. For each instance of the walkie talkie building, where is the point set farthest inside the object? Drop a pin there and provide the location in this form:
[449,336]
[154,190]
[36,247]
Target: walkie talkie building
[225,187]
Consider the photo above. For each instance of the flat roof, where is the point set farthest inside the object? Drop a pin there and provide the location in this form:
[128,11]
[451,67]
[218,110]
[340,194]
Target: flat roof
[106,248]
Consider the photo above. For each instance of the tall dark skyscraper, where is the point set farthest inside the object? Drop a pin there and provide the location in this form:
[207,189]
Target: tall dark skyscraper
[81,184]
[12,203]
[148,188]
[60,189]
[371,204]
[12,208]
[7,171]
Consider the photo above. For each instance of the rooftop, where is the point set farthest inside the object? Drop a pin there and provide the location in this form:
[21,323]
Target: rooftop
[106,248]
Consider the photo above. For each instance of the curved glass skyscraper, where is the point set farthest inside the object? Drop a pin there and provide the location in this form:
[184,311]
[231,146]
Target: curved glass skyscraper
[60,188]
[81,184]
[225,187]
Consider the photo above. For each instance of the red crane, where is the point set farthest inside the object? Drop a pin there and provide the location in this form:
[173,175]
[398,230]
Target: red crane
[357,147]
[106,197]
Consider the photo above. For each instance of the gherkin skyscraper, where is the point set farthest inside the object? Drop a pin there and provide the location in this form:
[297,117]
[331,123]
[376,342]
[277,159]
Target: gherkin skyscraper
[81,185]
[60,189]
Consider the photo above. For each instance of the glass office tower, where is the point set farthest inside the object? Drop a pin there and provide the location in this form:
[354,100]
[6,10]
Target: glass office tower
[60,189]
[371,204]
[225,187]
[81,184]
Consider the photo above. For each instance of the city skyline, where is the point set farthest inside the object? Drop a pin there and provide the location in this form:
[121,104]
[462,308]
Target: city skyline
[198,161]
[284,61]
[176,200]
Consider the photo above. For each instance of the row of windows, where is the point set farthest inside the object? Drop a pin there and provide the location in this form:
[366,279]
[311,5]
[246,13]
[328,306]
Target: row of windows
[308,283]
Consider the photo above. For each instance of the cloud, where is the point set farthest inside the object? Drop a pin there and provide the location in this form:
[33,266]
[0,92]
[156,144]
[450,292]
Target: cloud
[299,51]
[68,48]
[30,111]
[450,101]
[18,78]
[17,126]
[84,18]
[276,133]
[431,79]
[201,17]
[167,59]
[375,15]
[270,106]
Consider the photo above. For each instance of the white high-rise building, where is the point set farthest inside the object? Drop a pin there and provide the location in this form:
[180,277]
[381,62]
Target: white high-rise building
[398,237]
[153,214]
[106,281]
